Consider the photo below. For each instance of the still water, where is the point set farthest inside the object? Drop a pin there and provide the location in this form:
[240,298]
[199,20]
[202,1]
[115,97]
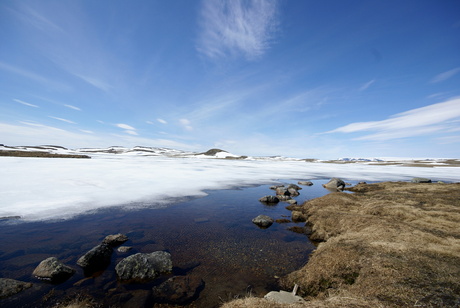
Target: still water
[211,238]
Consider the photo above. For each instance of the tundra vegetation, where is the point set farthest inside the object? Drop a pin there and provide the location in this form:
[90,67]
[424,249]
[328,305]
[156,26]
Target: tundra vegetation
[390,244]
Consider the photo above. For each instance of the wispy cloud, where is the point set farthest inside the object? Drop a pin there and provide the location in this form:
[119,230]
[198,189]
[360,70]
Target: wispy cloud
[32,76]
[125,126]
[233,27]
[63,120]
[73,107]
[446,75]
[366,85]
[24,103]
[419,121]
[128,129]
[162,121]
[186,124]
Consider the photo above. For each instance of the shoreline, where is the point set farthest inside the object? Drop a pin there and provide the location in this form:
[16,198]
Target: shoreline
[390,244]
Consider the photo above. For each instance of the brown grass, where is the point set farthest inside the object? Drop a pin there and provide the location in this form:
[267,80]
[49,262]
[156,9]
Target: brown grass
[40,154]
[390,244]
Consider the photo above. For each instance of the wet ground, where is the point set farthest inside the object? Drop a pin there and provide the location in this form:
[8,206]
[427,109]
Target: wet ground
[212,238]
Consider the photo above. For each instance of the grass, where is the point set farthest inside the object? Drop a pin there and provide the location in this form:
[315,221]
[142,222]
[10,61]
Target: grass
[39,154]
[389,244]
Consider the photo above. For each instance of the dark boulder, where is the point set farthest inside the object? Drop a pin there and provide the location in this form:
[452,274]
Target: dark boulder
[53,270]
[97,259]
[178,290]
[420,180]
[144,267]
[269,199]
[10,287]
[263,221]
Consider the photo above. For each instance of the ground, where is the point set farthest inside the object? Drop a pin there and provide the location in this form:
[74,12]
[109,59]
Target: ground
[390,244]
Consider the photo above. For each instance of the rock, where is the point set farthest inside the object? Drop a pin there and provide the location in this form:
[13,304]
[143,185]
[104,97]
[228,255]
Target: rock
[263,221]
[98,258]
[335,184]
[306,183]
[298,216]
[296,187]
[276,186]
[124,248]
[143,267]
[362,183]
[420,180]
[115,240]
[139,298]
[293,192]
[53,270]
[178,290]
[292,201]
[282,191]
[283,297]
[284,198]
[10,287]
[269,199]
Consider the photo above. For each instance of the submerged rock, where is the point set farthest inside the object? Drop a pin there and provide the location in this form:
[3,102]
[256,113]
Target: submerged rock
[115,240]
[335,184]
[98,258]
[143,267]
[53,270]
[263,221]
[124,248]
[178,290]
[10,287]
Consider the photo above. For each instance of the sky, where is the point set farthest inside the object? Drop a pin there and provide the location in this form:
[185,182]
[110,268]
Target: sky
[307,79]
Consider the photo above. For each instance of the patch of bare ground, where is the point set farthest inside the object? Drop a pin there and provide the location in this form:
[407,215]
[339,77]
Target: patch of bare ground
[390,244]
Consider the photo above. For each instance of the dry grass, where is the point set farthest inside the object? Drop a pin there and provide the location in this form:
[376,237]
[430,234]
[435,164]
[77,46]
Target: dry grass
[40,154]
[389,245]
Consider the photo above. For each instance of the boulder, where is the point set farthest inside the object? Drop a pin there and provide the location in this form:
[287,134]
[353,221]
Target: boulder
[115,240]
[283,198]
[269,199]
[292,201]
[276,186]
[143,267]
[178,290]
[335,184]
[306,183]
[53,270]
[293,192]
[420,180]
[10,287]
[98,258]
[282,191]
[263,221]
[296,187]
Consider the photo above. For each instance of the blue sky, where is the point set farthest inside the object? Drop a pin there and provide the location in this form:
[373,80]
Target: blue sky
[323,79]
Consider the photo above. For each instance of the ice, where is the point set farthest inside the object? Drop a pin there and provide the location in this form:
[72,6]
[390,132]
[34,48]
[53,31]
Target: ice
[55,188]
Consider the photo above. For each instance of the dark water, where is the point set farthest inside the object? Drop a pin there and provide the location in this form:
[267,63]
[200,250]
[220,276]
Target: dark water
[212,238]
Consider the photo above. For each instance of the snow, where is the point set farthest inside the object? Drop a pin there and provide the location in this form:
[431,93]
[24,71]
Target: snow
[59,188]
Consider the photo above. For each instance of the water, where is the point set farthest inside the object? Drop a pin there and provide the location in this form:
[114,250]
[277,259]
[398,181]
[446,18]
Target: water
[212,238]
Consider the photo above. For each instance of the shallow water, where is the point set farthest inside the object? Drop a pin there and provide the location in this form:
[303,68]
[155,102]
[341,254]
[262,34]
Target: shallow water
[212,238]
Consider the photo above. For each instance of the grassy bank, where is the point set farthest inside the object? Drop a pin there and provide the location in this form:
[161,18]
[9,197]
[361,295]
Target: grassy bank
[390,244]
